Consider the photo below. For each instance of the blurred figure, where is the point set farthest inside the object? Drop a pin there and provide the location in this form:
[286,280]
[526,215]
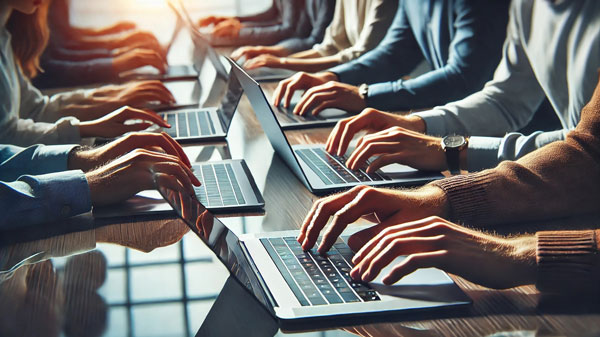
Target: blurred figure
[310,30]
[27,117]
[357,27]
[77,56]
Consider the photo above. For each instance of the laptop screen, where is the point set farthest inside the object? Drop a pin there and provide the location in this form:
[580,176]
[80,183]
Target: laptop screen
[220,239]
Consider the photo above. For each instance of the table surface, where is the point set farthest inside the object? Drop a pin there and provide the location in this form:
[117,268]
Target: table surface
[153,277]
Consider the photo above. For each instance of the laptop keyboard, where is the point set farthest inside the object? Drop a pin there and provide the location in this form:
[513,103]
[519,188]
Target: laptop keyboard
[331,169]
[189,123]
[316,279]
[219,187]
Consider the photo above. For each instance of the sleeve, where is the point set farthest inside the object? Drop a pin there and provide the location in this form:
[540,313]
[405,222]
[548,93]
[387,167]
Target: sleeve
[59,73]
[568,261]
[561,179]
[34,160]
[505,104]
[271,34]
[31,200]
[399,43]
[378,20]
[324,14]
[473,56]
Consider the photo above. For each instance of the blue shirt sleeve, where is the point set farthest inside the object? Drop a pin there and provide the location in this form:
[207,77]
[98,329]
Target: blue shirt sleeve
[32,200]
[312,26]
[34,160]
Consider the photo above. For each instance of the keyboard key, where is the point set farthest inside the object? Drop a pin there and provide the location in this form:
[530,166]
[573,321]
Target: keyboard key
[236,186]
[303,155]
[182,127]
[286,276]
[193,124]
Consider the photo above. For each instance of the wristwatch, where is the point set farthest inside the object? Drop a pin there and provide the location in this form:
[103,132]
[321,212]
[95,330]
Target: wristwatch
[363,91]
[452,145]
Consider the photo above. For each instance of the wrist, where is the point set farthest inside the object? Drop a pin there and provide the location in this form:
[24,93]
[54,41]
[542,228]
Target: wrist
[329,76]
[434,200]
[79,159]
[414,123]
[523,251]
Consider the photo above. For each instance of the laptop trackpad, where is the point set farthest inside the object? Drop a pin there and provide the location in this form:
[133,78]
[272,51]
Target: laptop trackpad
[429,284]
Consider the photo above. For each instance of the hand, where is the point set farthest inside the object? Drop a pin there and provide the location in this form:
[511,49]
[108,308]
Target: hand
[436,243]
[136,94]
[137,58]
[89,159]
[371,120]
[137,171]
[398,145]
[250,52]
[265,60]
[144,236]
[141,38]
[113,124]
[388,206]
[212,20]
[300,81]
[121,26]
[330,95]
[227,28]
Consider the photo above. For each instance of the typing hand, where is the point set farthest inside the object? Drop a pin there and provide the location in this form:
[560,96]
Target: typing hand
[300,81]
[211,20]
[493,262]
[250,52]
[330,95]
[388,206]
[116,123]
[265,60]
[227,28]
[368,120]
[88,159]
[139,57]
[137,171]
[398,145]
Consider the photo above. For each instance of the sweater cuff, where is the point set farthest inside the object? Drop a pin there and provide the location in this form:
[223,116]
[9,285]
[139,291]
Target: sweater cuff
[566,262]
[466,195]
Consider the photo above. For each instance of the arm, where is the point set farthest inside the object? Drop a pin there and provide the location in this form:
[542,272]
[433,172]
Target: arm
[271,14]
[271,34]
[378,19]
[473,56]
[560,179]
[323,12]
[59,73]
[399,43]
[34,160]
[34,199]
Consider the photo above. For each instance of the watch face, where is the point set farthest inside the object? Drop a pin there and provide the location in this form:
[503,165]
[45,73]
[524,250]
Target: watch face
[454,141]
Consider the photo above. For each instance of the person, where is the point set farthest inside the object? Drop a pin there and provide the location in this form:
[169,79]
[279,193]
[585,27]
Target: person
[555,58]
[555,181]
[48,183]
[314,19]
[356,28]
[27,117]
[277,23]
[463,52]
[77,56]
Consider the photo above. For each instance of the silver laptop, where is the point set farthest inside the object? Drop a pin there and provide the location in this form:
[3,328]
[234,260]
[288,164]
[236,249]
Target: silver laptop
[207,123]
[227,187]
[303,289]
[320,171]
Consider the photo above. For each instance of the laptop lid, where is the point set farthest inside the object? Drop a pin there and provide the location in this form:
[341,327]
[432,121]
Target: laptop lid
[268,121]
[217,237]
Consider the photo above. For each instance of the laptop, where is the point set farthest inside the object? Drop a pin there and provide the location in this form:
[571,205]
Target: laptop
[321,172]
[303,289]
[207,123]
[173,72]
[227,187]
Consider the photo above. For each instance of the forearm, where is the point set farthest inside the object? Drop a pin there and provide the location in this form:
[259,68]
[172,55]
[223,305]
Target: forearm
[25,132]
[34,160]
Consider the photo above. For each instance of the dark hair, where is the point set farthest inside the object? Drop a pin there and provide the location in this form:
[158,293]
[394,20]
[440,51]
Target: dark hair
[30,35]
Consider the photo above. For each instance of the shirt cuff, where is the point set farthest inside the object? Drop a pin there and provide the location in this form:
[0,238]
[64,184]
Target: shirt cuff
[567,261]
[482,153]
[466,195]
[434,122]
[67,192]
[67,129]
[380,96]
[54,157]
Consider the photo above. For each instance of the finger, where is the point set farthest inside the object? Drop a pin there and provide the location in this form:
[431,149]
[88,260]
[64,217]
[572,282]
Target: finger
[352,211]
[177,172]
[158,86]
[350,129]
[279,91]
[145,115]
[357,240]
[334,136]
[178,148]
[149,156]
[313,98]
[172,184]
[154,59]
[320,213]
[384,160]
[325,105]
[361,155]
[292,86]
[368,269]
[414,262]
